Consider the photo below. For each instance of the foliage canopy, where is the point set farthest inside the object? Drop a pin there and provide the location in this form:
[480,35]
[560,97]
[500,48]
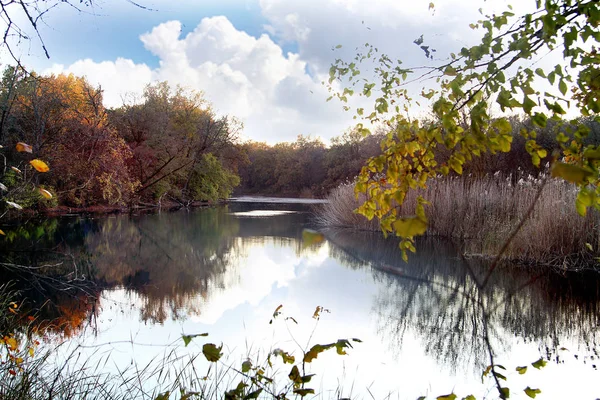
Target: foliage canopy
[498,72]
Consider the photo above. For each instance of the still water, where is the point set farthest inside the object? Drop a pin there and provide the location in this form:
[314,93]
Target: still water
[425,325]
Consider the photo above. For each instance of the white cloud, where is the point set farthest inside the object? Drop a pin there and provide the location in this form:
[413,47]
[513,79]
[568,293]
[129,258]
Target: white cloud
[116,78]
[278,95]
[241,75]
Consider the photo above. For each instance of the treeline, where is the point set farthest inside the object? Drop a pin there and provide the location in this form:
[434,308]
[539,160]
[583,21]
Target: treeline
[167,145]
[170,146]
[306,167]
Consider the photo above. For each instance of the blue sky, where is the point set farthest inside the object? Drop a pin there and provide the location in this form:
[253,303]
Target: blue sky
[112,29]
[262,61]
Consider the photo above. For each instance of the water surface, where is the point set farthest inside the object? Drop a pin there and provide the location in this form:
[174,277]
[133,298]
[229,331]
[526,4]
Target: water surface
[423,324]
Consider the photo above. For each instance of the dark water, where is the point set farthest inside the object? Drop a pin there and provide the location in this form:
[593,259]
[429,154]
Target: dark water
[427,326]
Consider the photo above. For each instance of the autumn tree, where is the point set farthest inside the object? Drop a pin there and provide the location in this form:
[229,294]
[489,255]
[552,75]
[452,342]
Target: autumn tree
[499,71]
[64,120]
[169,133]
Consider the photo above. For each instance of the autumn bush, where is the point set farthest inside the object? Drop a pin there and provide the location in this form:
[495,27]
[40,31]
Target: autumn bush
[481,213]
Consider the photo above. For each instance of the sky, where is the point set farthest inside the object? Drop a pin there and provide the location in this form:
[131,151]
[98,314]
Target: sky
[262,61]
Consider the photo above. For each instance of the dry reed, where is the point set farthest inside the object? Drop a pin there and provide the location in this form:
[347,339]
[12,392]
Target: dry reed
[482,212]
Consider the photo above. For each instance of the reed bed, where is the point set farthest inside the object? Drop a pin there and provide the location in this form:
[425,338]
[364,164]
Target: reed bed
[481,213]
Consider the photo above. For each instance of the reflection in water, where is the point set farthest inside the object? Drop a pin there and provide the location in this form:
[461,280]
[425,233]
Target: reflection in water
[436,294]
[193,265]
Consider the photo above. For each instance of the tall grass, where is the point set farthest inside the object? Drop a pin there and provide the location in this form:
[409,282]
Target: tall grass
[481,213]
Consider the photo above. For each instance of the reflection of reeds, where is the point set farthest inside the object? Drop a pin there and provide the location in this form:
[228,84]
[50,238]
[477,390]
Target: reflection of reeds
[482,213]
[436,294]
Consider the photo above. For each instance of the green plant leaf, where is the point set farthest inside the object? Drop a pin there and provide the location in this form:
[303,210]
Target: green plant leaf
[285,356]
[212,352]
[532,392]
[450,396]
[571,173]
[521,370]
[562,86]
[304,392]
[539,363]
[294,375]
[253,395]
[246,366]
[316,350]
[188,338]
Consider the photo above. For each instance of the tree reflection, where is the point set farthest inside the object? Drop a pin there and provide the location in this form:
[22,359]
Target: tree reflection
[439,295]
[169,260]
[174,262]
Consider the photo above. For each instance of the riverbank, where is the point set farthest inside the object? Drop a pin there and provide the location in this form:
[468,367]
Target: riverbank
[481,214]
[103,209]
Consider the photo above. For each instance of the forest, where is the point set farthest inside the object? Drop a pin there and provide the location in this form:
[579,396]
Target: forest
[169,148]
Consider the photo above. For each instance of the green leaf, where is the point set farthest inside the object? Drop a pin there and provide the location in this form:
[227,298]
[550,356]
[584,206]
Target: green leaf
[521,370]
[188,338]
[469,397]
[571,173]
[163,396]
[285,356]
[540,72]
[450,396]
[316,350]
[539,363]
[304,392]
[562,86]
[253,395]
[539,119]
[212,352]
[505,392]
[246,366]
[528,104]
[342,344]
[592,154]
[532,392]
[339,46]
[294,375]
[410,226]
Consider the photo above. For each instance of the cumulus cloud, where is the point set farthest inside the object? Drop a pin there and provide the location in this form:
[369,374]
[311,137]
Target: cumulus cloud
[279,95]
[242,75]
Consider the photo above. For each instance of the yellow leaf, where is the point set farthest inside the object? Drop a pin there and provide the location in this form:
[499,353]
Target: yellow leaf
[570,172]
[39,165]
[12,343]
[24,147]
[2,232]
[45,193]
[31,352]
[410,226]
[431,6]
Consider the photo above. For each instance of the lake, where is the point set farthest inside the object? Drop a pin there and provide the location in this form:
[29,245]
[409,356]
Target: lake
[424,325]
